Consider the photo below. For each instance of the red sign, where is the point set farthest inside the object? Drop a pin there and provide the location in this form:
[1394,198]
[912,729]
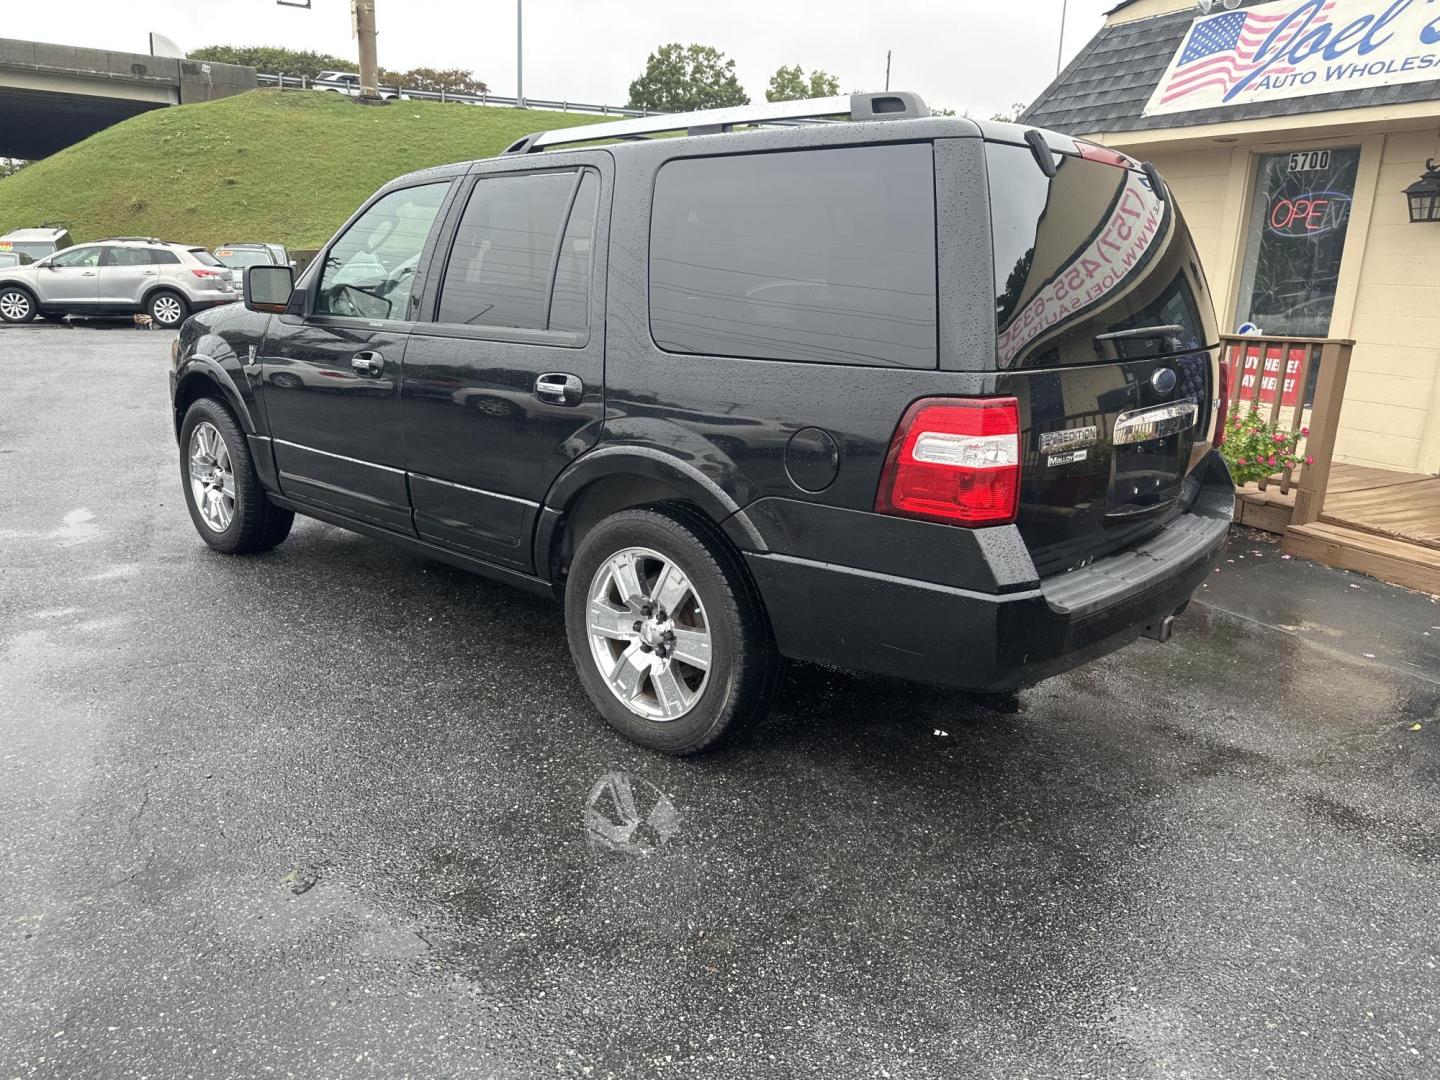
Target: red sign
[1259,385]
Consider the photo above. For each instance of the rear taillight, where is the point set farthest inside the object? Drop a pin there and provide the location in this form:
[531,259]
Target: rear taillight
[208,273]
[955,460]
[1222,403]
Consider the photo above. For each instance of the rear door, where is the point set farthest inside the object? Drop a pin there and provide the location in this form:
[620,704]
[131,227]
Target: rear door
[504,378]
[331,376]
[1107,338]
[126,273]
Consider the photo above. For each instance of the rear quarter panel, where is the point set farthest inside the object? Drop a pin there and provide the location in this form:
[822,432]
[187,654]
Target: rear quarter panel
[733,418]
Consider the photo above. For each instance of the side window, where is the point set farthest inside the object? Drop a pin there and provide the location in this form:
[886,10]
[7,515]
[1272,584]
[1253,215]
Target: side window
[163,257]
[85,256]
[820,255]
[122,256]
[570,299]
[503,259]
[369,270]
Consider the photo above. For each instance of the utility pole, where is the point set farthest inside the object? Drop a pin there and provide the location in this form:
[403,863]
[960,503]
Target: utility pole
[364,15]
[1060,51]
[887,71]
[520,53]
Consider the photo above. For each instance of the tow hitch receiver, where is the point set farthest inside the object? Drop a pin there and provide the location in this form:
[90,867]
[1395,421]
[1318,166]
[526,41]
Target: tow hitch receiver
[1160,629]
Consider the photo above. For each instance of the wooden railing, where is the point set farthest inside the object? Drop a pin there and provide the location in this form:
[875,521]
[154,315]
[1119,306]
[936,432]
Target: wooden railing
[1305,376]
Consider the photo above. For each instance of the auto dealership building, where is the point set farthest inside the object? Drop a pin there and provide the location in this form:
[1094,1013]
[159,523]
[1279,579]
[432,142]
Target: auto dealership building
[1289,132]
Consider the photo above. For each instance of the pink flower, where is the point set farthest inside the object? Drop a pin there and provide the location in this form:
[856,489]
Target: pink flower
[1272,459]
[1309,461]
[1304,432]
[1241,461]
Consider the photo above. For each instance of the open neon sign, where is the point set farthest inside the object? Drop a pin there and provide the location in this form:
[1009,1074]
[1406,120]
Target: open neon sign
[1310,214]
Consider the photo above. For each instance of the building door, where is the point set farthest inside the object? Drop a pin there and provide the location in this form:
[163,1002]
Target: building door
[1295,236]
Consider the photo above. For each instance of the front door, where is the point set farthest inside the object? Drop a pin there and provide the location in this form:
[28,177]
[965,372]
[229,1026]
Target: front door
[504,379]
[71,277]
[331,377]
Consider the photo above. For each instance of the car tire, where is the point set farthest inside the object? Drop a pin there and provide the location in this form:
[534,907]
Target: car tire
[652,687]
[17,304]
[167,308]
[228,505]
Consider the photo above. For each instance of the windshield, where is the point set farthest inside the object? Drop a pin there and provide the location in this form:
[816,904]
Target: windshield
[242,257]
[34,249]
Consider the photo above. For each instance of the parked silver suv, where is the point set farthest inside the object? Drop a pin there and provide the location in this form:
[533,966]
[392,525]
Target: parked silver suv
[121,276]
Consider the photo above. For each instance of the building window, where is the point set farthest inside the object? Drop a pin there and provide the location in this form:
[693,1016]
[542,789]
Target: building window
[1295,236]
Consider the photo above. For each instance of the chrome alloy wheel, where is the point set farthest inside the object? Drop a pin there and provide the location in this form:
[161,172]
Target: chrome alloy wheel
[14,305]
[167,310]
[212,478]
[648,634]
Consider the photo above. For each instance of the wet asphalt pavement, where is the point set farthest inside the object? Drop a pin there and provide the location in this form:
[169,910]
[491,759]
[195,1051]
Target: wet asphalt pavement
[336,811]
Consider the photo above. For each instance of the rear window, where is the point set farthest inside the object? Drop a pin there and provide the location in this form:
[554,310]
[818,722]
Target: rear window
[817,255]
[204,258]
[1090,252]
[242,257]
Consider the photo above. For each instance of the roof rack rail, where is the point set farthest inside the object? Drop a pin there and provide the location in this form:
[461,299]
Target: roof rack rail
[131,239]
[891,105]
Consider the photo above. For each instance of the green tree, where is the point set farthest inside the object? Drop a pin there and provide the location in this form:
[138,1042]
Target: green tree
[679,78]
[792,84]
[1012,114]
[450,80]
[274,60]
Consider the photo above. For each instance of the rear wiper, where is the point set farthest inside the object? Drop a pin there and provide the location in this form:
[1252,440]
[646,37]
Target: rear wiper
[1168,330]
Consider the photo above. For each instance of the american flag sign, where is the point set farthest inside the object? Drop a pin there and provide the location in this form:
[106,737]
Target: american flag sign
[1298,48]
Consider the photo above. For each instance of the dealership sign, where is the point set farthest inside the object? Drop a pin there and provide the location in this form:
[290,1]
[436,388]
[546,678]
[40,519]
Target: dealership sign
[1295,48]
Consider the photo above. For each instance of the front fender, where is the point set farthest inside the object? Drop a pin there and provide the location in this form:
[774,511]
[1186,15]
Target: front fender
[198,368]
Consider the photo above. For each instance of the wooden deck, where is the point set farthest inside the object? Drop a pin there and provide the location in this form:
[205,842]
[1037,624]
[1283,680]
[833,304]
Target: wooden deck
[1375,521]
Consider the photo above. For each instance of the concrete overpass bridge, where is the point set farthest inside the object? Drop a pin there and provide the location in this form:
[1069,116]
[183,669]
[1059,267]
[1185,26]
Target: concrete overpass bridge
[54,95]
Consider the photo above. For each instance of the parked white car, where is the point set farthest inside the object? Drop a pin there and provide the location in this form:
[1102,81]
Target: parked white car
[36,243]
[348,83]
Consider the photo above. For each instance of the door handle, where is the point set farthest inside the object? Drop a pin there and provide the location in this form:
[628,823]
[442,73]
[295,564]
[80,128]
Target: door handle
[87,273]
[559,388]
[150,273]
[368,363]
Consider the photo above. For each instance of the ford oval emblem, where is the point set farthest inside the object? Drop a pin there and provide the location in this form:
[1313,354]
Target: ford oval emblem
[1163,380]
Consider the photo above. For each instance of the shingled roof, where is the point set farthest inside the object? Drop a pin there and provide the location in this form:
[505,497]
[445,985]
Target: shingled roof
[1105,88]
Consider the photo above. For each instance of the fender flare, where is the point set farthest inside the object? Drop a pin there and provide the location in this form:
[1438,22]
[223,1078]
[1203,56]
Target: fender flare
[653,464]
[199,366]
[20,285]
[157,287]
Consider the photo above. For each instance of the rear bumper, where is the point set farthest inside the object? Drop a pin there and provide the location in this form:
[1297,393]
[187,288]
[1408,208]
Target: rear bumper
[973,639]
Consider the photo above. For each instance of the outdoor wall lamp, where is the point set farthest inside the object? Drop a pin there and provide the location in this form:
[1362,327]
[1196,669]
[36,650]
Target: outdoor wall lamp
[1424,194]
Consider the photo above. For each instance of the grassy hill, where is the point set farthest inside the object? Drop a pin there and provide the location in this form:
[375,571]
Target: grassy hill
[283,167]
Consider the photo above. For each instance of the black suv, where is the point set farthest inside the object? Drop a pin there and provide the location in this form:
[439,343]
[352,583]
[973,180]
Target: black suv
[920,396]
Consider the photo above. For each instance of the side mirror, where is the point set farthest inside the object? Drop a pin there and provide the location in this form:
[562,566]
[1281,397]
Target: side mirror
[268,288]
